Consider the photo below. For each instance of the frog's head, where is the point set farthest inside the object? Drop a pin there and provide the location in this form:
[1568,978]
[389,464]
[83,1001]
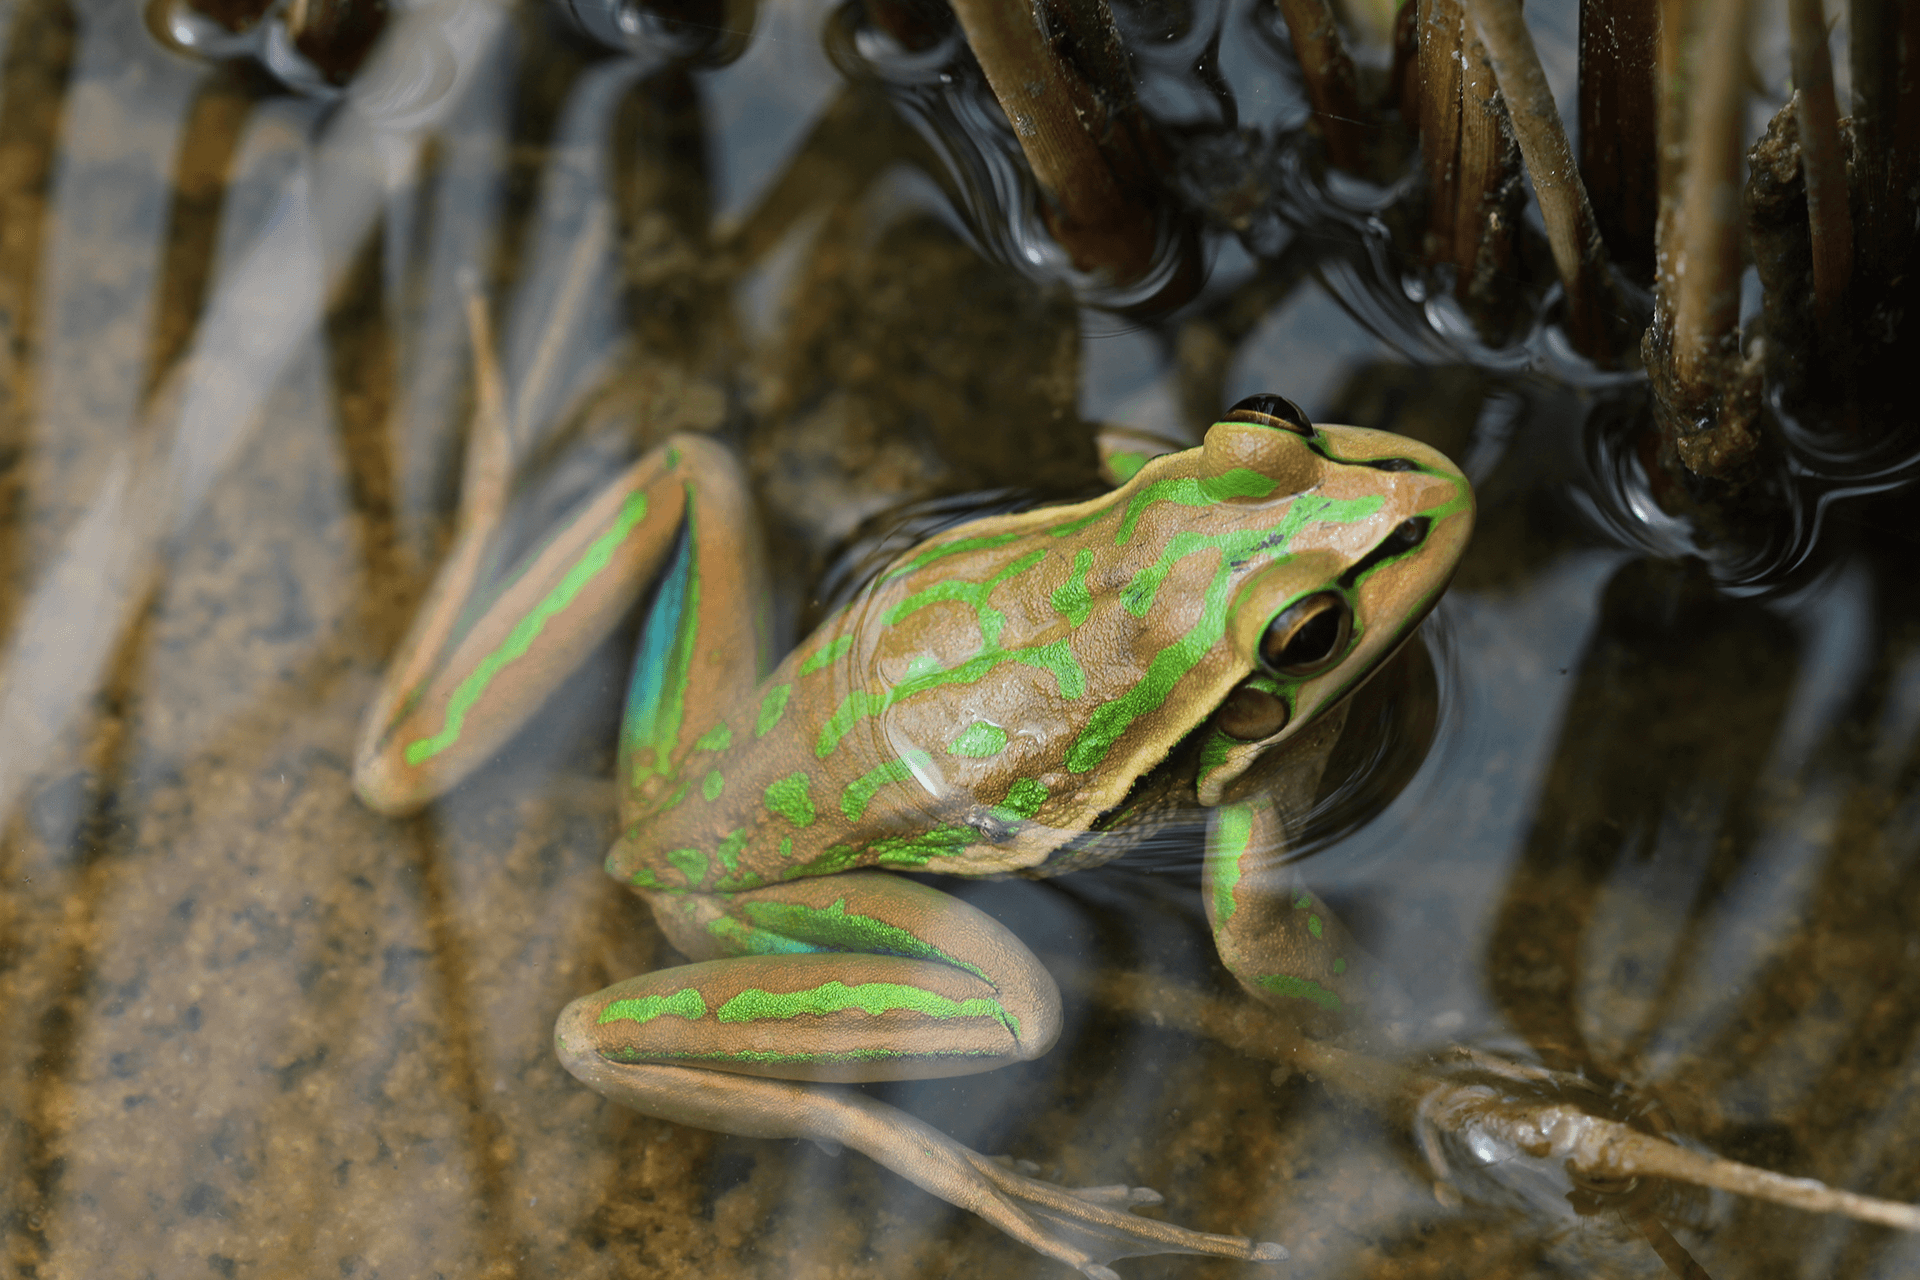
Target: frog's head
[1366,530]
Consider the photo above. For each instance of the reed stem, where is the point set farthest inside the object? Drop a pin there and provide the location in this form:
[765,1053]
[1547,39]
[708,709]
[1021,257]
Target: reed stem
[1829,223]
[1619,148]
[1086,159]
[1593,305]
[1706,313]
[1472,165]
[1329,77]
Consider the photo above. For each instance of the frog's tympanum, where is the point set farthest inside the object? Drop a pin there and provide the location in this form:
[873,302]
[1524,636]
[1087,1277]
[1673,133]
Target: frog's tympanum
[1023,694]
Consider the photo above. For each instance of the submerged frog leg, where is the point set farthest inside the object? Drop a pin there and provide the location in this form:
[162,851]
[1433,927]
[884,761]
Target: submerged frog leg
[864,976]
[1084,1228]
[457,692]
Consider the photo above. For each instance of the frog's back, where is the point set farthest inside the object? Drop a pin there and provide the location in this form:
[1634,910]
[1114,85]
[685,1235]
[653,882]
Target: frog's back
[1000,688]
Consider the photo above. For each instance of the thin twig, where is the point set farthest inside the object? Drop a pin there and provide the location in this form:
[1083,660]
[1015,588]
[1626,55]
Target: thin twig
[1578,253]
[1829,223]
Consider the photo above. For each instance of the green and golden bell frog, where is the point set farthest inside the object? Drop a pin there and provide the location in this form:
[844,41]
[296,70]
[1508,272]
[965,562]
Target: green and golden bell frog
[1021,694]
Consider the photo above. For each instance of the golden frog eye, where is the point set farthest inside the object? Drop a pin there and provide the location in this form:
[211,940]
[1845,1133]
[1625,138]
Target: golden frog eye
[1307,634]
[1249,714]
[1273,411]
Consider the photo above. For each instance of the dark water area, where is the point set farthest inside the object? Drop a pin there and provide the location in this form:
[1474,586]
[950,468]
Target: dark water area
[1638,805]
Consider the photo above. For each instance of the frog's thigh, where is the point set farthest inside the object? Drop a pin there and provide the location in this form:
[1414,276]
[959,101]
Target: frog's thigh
[451,699]
[1274,935]
[865,976]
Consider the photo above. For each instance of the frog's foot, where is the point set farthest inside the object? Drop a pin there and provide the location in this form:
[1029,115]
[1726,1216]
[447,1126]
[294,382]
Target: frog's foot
[1086,1227]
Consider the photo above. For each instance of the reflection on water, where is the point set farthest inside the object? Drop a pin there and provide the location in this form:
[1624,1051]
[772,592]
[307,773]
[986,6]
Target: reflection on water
[1647,818]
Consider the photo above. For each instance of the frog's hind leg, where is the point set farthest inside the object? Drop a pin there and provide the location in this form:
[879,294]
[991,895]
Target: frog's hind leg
[476,669]
[864,976]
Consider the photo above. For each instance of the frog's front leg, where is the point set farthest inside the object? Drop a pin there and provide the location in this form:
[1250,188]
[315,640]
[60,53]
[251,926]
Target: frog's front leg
[474,669]
[1272,933]
[865,976]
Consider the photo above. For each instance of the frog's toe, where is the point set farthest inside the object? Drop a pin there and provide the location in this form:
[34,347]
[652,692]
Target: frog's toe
[1092,1226]
[1121,1195]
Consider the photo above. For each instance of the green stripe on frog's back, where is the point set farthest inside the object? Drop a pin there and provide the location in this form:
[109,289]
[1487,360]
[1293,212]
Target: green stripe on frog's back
[656,693]
[1108,722]
[468,693]
[1167,667]
[990,621]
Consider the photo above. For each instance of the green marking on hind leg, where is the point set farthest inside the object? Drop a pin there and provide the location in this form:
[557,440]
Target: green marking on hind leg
[837,928]
[684,1003]
[873,998]
[467,694]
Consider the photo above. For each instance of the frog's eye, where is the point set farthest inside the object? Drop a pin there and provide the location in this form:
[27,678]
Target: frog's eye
[1307,634]
[1273,411]
[1249,714]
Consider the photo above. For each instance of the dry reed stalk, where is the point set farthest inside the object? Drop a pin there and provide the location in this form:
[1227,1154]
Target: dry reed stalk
[1706,311]
[1079,136]
[1438,114]
[1329,77]
[1705,396]
[1593,305]
[1472,163]
[1829,225]
[1884,53]
[1619,52]
[1670,151]
[1403,87]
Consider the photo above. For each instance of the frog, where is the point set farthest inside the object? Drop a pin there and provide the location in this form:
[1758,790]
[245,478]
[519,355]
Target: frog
[1025,694]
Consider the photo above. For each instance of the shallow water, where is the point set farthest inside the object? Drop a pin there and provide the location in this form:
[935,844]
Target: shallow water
[1640,820]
